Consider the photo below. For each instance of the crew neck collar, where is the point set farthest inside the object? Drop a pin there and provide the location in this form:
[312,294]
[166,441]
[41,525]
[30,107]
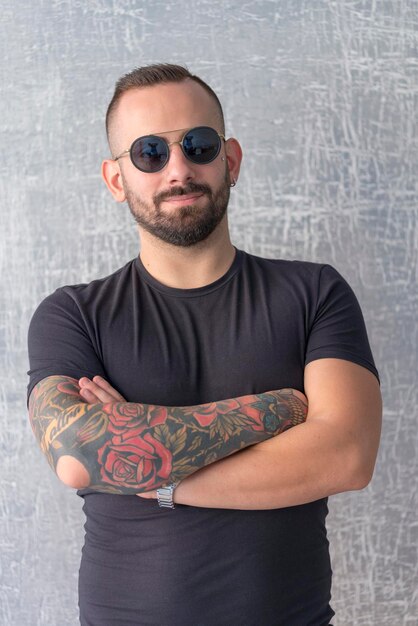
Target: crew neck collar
[196,291]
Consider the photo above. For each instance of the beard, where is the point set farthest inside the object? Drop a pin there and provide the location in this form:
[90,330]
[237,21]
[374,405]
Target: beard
[185,225]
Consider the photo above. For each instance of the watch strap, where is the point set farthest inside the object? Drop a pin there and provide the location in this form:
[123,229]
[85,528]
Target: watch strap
[165,496]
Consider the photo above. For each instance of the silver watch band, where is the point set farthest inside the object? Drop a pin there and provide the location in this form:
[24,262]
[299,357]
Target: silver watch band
[165,496]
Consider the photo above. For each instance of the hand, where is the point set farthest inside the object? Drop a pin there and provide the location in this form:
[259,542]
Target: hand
[149,495]
[98,390]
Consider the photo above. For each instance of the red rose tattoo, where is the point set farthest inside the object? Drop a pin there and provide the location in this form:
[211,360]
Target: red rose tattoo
[133,456]
[208,413]
[128,460]
[135,417]
[245,413]
[127,447]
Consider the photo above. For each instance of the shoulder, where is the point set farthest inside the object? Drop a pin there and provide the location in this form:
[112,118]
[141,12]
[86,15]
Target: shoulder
[288,266]
[306,274]
[101,287]
[305,287]
[93,293]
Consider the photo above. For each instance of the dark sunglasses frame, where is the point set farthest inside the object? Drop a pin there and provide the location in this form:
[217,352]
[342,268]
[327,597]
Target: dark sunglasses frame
[131,150]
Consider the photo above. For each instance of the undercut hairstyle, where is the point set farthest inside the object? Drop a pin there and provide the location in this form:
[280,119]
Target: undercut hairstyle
[157,74]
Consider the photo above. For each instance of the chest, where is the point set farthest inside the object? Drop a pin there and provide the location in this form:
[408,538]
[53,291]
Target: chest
[188,351]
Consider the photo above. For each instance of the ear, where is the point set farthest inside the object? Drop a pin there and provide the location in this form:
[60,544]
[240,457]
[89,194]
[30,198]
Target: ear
[113,179]
[233,153]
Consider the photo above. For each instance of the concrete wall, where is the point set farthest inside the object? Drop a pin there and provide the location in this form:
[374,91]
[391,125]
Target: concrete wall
[322,96]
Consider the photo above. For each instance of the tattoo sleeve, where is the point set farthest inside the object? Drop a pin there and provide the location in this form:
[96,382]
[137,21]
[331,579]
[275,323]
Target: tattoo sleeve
[129,448]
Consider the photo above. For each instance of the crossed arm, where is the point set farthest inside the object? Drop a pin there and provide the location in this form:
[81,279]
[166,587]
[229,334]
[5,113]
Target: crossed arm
[101,441]
[334,450]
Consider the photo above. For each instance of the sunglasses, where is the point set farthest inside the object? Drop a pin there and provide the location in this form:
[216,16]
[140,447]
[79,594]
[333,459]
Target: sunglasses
[151,153]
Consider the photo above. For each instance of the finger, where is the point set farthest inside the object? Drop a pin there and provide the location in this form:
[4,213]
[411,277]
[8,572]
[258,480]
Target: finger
[82,382]
[89,396]
[103,384]
[301,396]
[100,394]
[147,495]
[295,392]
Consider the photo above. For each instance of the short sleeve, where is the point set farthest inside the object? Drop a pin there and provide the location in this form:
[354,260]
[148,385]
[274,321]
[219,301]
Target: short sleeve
[338,329]
[59,342]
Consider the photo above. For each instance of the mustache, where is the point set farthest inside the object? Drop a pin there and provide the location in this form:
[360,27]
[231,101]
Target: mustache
[182,191]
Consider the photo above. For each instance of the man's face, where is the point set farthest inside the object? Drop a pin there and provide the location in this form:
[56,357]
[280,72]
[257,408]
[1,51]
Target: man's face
[184,202]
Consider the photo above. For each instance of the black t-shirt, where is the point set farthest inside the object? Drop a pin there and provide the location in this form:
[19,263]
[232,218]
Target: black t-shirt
[252,330]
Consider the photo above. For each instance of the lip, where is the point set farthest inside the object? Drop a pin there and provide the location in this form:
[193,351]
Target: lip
[186,199]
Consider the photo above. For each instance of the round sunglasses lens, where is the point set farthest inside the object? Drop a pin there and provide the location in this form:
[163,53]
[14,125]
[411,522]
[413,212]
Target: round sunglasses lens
[201,144]
[149,154]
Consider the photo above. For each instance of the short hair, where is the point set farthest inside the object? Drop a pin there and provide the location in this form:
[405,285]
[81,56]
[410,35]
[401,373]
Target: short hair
[154,75]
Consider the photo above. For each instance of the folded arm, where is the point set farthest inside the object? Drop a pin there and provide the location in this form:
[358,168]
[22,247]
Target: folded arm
[127,448]
[333,451]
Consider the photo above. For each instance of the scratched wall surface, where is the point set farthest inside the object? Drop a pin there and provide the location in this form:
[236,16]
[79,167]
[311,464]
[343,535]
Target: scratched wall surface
[322,96]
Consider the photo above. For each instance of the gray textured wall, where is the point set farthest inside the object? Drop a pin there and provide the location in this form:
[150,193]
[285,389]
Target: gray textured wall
[322,96]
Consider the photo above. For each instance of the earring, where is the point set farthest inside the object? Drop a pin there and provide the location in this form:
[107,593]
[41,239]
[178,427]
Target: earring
[234,182]
[222,159]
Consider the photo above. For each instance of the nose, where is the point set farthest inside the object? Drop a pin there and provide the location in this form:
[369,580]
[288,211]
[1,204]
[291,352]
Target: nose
[178,169]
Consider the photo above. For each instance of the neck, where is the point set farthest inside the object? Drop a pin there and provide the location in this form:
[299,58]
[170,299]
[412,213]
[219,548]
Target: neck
[191,267]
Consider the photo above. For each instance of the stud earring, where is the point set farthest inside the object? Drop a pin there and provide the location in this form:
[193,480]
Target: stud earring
[234,182]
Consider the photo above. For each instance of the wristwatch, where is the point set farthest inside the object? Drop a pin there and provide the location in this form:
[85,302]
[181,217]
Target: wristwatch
[165,496]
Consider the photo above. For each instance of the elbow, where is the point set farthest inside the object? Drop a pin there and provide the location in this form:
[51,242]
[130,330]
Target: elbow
[362,472]
[361,459]
[360,481]
[72,472]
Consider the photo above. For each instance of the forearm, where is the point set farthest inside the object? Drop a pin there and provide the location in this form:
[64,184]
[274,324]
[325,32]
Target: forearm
[129,448]
[302,465]
[335,450]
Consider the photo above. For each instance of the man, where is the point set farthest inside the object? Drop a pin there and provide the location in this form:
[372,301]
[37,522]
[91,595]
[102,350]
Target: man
[181,378]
